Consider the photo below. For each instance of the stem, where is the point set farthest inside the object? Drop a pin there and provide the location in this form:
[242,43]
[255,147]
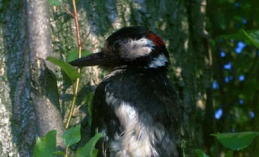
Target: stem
[79,56]
[66,152]
[77,29]
[69,12]
[73,103]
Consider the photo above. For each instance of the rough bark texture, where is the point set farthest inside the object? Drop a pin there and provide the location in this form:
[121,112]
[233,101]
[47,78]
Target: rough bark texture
[44,92]
[28,85]
[18,131]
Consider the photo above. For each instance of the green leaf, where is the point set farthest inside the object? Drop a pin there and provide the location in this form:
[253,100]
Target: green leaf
[250,37]
[236,141]
[88,149]
[253,37]
[249,89]
[67,68]
[60,153]
[46,146]
[55,3]
[237,36]
[95,153]
[72,135]
[200,153]
[72,55]
[87,100]
[229,153]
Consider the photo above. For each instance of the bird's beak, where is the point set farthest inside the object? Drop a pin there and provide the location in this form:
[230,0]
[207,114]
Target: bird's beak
[97,59]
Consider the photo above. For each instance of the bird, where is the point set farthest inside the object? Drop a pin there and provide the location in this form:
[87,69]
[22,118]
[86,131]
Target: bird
[135,106]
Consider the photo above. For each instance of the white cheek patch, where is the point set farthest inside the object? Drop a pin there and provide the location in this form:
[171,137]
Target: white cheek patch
[159,61]
[137,48]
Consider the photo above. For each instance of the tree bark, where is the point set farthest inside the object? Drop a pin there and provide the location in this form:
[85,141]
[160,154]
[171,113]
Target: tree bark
[17,131]
[44,92]
[29,97]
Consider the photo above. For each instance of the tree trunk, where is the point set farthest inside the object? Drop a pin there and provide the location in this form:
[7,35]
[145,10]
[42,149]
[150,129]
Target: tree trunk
[44,91]
[30,95]
[17,133]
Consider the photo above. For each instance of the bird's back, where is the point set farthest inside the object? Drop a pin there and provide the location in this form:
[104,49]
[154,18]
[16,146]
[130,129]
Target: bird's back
[138,113]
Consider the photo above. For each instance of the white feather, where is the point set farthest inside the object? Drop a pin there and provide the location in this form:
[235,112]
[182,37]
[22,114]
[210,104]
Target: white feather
[160,61]
[137,48]
[137,139]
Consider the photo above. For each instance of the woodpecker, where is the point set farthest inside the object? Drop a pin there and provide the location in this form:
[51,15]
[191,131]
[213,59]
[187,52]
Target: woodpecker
[135,106]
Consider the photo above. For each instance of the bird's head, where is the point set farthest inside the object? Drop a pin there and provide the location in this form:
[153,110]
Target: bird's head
[129,46]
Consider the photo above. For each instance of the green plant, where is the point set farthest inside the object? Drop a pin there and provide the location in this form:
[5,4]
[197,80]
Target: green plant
[46,146]
[233,141]
[237,141]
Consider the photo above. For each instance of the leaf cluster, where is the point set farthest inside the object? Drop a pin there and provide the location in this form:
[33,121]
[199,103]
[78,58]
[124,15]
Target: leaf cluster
[47,146]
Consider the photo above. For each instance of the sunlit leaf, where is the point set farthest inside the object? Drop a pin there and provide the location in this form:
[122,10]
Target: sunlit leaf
[72,135]
[88,149]
[200,153]
[236,141]
[55,3]
[60,153]
[46,146]
[67,68]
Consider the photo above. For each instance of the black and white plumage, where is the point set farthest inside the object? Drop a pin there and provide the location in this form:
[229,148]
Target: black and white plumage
[135,106]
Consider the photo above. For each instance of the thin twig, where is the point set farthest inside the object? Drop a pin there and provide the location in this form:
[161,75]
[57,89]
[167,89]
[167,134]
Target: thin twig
[85,38]
[68,11]
[78,70]
[77,28]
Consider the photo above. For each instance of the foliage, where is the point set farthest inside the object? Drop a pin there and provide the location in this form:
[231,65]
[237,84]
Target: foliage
[229,153]
[236,141]
[72,136]
[55,3]
[46,146]
[88,150]
[249,37]
[233,141]
[234,44]
[200,153]
[72,55]
[87,100]
[67,68]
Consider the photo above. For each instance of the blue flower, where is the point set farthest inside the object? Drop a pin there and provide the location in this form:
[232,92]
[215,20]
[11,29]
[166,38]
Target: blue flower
[240,46]
[218,113]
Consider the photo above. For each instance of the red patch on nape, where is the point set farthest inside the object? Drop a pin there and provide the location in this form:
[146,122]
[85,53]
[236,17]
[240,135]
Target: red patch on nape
[156,39]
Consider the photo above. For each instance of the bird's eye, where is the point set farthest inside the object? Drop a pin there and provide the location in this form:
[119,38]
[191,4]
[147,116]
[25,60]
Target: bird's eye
[116,44]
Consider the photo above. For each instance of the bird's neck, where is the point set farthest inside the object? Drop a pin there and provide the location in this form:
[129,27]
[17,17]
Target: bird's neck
[143,70]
